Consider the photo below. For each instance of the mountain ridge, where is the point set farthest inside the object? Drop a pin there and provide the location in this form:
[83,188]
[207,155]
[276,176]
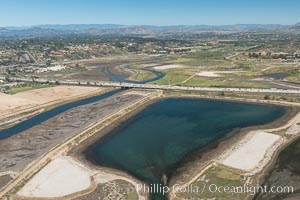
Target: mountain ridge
[107,29]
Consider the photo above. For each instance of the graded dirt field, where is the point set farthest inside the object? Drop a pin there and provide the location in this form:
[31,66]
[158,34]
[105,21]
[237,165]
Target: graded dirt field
[23,105]
[10,102]
[42,96]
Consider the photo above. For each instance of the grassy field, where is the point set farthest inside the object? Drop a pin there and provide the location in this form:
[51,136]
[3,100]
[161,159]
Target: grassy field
[26,88]
[183,77]
[206,82]
[174,76]
[212,58]
[141,74]
[215,176]
[209,56]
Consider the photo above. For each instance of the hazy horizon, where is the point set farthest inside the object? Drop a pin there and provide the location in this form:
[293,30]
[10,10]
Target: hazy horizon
[18,13]
[37,25]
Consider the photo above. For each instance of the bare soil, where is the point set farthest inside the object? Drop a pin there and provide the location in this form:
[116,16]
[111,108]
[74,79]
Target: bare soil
[19,150]
[4,180]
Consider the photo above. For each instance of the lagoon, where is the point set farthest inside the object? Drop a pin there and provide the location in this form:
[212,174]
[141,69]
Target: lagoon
[154,142]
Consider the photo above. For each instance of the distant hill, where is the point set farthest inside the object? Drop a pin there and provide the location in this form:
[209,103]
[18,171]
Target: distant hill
[296,26]
[105,29]
[3,30]
[152,27]
[121,31]
[81,26]
[220,27]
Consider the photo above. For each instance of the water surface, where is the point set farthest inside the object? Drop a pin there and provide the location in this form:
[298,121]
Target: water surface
[38,119]
[123,78]
[155,141]
[277,75]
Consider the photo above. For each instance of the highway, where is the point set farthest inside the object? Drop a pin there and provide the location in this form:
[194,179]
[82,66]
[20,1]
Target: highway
[152,86]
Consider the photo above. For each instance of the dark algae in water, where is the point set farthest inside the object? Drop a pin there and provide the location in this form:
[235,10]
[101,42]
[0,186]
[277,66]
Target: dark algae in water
[152,144]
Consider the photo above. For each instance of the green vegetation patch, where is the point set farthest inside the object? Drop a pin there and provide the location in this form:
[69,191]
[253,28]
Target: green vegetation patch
[142,75]
[209,56]
[129,189]
[218,82]
[117,189]
[288,158]
[215,176]
[26,88]
[170,79]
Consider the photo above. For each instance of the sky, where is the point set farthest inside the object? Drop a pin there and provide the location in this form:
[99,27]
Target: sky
[148,12]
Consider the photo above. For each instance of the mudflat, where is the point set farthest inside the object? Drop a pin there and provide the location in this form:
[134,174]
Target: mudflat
[19,150]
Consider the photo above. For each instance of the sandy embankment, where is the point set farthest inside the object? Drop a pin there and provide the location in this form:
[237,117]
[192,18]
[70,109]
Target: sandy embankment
[242,153]
[37,99]
[257,148]
[253,152]
[64,177]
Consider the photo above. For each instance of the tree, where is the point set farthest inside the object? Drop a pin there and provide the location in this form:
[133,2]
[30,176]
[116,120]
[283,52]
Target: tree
[267,97]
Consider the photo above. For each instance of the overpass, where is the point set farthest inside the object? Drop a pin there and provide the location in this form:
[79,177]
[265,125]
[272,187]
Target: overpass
[152,86]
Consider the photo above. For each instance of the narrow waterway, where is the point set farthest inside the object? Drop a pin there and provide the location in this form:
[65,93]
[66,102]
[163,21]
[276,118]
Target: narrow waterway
[122,78]
[26,124]
[38,119]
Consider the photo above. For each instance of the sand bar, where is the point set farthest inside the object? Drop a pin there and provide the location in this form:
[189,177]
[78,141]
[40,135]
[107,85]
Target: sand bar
[61,177]
[252,152]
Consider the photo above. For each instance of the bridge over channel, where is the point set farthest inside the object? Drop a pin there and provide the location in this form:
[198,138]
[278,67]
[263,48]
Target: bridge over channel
[152,86]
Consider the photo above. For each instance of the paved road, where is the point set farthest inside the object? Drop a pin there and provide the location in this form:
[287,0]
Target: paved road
[151,86]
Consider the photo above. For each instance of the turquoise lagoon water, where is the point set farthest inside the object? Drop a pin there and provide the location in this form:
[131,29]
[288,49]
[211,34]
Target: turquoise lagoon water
[154,142]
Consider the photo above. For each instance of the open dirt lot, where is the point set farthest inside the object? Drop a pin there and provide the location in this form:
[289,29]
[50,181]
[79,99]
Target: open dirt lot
[252,151]
[61,177]
[65,176]
[19,150]
[10,104]
[163,67]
